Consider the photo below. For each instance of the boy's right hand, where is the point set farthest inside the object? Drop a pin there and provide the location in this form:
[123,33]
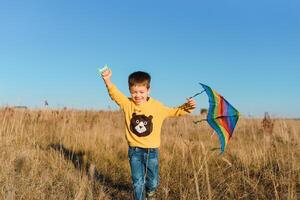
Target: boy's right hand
[106,74]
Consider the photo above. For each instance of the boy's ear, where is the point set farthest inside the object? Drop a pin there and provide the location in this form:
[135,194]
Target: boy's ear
[148,92]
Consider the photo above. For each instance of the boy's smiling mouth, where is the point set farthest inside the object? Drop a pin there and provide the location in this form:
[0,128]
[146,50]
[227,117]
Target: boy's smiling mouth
[138,100]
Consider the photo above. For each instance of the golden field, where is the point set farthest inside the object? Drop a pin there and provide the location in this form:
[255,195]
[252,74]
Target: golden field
[69,154]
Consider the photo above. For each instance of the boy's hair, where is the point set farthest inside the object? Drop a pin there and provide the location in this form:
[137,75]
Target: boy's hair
[139,78]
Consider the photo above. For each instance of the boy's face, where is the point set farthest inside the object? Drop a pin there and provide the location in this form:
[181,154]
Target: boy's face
[139,94]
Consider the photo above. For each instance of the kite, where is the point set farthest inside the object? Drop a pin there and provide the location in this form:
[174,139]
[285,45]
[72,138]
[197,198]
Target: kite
[222,116]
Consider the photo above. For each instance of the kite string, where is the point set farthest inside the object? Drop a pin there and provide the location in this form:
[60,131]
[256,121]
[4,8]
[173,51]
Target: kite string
[196,122]
[196,94]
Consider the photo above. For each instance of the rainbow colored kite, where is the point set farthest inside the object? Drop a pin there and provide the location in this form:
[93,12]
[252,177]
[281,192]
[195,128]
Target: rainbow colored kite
[222,116]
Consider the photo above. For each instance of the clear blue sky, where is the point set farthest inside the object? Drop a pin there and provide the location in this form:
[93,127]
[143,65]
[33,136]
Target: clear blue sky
[249,51]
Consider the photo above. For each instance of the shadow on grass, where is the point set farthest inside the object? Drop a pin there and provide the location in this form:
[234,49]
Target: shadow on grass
[79,159]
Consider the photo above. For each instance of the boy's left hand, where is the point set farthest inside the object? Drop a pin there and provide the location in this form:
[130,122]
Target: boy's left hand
[191,102]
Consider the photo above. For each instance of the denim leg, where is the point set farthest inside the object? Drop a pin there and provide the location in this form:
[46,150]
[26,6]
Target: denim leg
[136,160]
[152,179]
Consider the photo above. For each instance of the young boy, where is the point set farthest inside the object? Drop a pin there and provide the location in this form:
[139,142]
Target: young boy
[143,118]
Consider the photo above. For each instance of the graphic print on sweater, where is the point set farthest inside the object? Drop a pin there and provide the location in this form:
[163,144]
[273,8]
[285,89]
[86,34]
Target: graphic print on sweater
[141,125]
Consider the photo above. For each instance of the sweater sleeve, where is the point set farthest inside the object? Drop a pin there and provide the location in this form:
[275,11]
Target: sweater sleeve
[117,96]
[184,109]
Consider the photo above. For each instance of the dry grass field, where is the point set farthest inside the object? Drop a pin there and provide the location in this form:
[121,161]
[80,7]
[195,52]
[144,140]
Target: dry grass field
[69,154]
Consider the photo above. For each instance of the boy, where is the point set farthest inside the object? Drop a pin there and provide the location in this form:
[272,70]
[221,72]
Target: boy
[143,118]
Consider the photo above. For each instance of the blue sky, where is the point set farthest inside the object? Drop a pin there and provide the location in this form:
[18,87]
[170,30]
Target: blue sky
[247,51]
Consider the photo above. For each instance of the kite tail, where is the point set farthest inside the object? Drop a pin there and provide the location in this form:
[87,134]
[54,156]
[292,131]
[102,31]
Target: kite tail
[217,148]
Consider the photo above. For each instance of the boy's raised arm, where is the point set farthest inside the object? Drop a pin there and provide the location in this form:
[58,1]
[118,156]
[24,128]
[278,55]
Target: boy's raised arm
[113,91]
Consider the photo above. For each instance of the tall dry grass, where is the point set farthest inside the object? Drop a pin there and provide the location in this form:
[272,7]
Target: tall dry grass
[68,154]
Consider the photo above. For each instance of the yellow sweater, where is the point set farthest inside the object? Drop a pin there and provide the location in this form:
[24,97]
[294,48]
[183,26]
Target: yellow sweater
[143,122]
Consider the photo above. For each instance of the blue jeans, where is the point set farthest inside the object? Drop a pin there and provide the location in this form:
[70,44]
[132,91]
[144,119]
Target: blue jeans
[144,174]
